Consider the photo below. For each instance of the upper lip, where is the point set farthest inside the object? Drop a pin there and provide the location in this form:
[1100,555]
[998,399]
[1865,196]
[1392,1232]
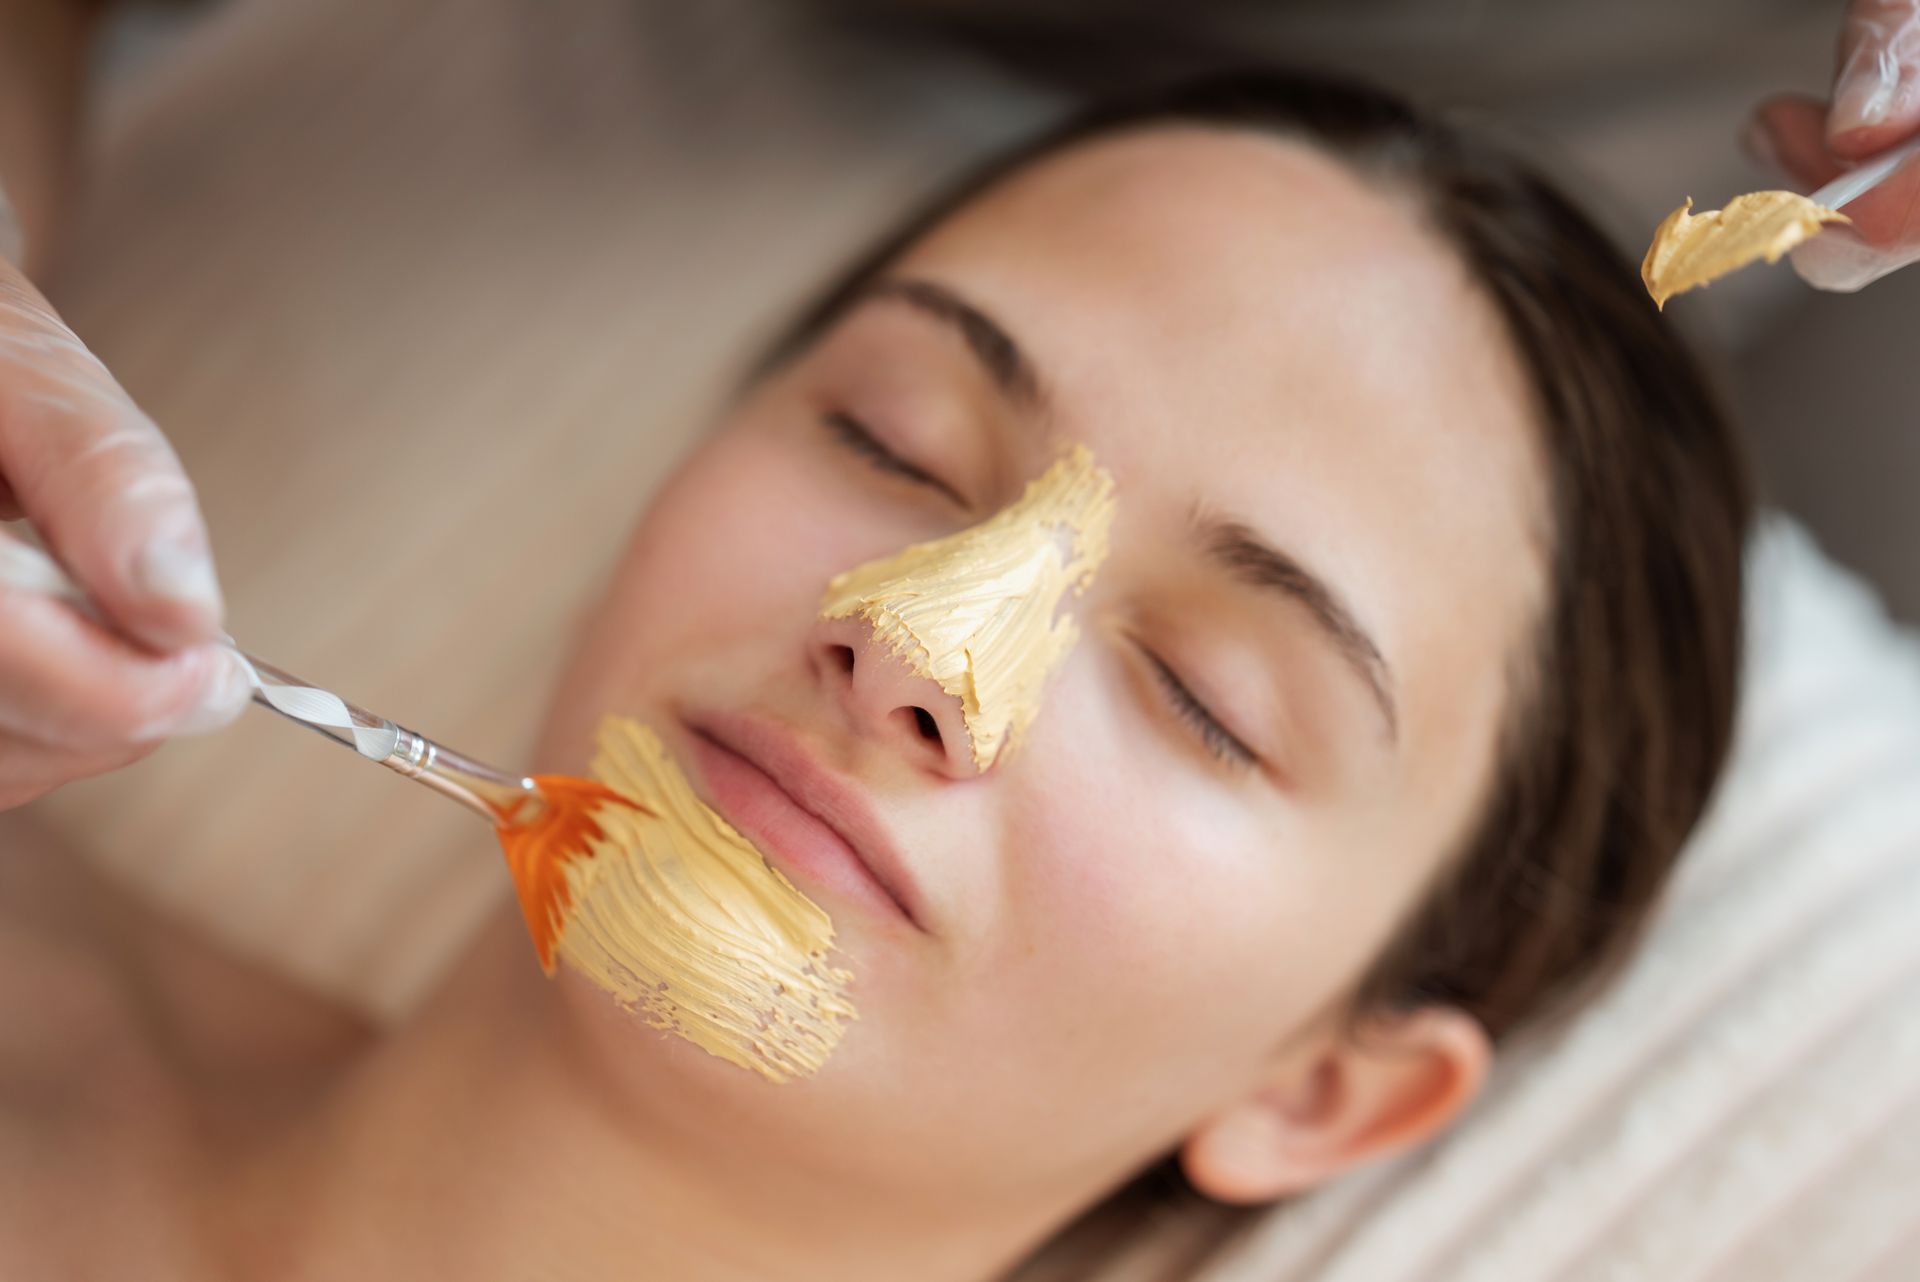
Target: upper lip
[835,801]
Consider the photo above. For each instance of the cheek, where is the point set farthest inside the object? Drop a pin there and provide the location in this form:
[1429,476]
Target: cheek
[721,573]
[1139,896]
[1174,927]
[735,534]
[749,530]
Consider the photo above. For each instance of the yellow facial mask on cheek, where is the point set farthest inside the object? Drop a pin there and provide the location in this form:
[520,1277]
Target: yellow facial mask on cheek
[683,921]
[975,611]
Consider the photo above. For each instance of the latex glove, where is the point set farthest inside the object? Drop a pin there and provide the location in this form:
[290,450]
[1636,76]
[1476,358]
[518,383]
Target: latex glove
[107,493]
[1875,105]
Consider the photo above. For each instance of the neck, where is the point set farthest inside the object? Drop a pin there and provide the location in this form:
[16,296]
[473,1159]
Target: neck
[478,1142]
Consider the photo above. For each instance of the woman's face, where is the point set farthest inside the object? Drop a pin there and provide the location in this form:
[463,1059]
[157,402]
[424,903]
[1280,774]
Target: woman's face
[1280,712]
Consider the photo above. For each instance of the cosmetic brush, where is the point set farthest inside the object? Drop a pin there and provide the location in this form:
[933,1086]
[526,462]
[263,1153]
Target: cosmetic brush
[543,822]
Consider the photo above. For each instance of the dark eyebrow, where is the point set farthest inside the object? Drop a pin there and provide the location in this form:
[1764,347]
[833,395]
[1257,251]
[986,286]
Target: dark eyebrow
[1231,544]
[1237,549]
[985,337]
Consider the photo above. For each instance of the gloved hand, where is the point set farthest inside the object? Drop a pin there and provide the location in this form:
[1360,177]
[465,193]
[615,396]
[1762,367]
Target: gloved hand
[107,493]
[1875,106]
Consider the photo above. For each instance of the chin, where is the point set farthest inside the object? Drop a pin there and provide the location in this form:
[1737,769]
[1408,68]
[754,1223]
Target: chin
[673,1083]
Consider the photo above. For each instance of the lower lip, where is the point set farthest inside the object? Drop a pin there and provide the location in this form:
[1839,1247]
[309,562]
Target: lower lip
[752,802]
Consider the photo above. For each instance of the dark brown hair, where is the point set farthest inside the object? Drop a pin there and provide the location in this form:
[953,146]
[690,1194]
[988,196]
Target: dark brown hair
[1621,709]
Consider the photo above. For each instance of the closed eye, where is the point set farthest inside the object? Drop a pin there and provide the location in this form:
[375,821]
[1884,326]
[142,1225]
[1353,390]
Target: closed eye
[1217,739]
[857,437]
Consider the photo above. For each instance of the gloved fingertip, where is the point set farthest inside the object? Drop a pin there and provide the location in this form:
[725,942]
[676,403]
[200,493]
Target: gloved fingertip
[1866,94]
[178,571]
[228,690]
[1839,263]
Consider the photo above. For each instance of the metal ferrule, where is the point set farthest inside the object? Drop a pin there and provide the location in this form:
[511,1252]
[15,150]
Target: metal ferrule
[502,798]
[496,796]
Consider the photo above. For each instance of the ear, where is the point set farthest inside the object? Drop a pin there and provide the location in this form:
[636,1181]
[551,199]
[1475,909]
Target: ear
[1352,1096]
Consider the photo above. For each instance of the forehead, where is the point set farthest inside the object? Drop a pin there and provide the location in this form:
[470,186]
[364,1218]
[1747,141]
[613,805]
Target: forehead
[1238,320]
[1221,244]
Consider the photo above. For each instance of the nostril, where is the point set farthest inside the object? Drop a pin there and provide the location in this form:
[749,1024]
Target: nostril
[929,728]
[843,656]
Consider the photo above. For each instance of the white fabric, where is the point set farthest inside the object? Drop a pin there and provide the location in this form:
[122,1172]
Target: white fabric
[1744,1106]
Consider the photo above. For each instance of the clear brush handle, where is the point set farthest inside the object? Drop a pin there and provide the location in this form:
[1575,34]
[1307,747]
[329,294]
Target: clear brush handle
[1855,183]
[497,796]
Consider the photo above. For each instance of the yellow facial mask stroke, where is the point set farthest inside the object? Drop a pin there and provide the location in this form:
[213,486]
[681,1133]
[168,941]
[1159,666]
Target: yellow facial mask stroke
[1691,249]
[682,920]
[975,611]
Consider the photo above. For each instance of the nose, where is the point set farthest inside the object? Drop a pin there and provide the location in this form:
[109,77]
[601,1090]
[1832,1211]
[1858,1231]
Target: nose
[886,699]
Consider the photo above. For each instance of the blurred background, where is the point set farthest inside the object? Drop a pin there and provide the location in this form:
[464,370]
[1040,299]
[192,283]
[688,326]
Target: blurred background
[428,294]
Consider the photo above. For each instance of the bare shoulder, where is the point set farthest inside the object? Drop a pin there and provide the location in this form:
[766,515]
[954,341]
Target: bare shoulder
[76,1073]
[128,1045]
[84,963]
[60,1003]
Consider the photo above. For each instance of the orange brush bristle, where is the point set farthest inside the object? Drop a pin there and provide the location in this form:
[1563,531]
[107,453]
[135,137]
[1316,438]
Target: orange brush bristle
[538,851]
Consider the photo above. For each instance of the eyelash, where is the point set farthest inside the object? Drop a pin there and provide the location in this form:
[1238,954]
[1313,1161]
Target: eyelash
[1218,740]
[1221,742]
[858,438]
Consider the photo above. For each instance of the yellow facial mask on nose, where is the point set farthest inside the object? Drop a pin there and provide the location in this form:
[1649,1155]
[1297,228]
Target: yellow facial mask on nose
[975,611]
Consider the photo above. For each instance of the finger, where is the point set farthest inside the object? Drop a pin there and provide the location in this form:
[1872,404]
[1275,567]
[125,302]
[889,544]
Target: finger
[1839,261]
[68,683]
[1788,132]
[1875,103]
[99,480]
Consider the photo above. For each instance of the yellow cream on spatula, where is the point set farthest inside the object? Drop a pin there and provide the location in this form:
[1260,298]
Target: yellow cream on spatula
[1691,249]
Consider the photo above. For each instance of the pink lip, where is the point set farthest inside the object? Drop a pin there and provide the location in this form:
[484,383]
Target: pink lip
[763,779]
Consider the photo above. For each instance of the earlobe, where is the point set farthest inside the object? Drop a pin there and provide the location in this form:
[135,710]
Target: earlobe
[1397,1081]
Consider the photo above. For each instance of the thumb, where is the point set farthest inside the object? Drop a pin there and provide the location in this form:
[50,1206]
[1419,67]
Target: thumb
[1875,103]
[1839,261]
